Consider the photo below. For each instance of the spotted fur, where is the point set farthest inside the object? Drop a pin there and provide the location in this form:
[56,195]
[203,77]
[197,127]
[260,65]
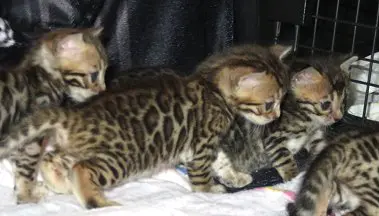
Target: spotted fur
[344,177]
[315,100]
[66,63]
[150,124]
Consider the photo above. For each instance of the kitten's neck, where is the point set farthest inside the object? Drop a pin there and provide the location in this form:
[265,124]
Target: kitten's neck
[43,88]
[294,112]
[212,93]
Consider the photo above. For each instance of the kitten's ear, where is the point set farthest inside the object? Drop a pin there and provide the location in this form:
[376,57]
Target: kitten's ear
[281,51]
[250,80]
[70,43]
[96,32]
[307,76]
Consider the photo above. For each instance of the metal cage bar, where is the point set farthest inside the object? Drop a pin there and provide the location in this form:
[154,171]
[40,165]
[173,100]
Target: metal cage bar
[371,64]
[357,24]
[355,27]
[335,26]
[315,27]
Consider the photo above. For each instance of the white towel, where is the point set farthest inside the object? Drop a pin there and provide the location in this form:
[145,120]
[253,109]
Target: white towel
[167,193]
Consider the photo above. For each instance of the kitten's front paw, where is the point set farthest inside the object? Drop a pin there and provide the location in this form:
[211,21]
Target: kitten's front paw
[33,195]
[27,198]
[109,203]
[40,190]
[209,188]
[218,188]
[288,175]
[100,203]
[236,179]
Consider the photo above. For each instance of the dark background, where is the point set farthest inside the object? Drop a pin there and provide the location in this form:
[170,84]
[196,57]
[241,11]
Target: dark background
[177,33]
[181,33]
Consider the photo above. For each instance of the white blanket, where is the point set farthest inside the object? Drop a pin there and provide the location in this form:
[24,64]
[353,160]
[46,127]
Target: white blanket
[164,194]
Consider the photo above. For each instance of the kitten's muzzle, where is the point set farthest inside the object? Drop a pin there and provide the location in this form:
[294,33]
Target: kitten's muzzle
[99,89]
[276,114]
[335,116]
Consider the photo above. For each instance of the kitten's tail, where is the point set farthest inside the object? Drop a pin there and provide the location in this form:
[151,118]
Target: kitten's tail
[317,187]
[31,127]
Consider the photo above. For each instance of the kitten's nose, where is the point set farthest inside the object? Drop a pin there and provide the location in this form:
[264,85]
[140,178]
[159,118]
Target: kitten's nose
[337,115]
[99,88]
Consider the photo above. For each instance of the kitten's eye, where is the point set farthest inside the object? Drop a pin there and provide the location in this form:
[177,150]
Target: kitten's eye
[94,76]
[269,105]
[325,105]
[73,83]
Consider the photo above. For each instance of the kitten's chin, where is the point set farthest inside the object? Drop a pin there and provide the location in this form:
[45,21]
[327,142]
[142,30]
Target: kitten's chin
[80,94]
[326,121]
[258,120]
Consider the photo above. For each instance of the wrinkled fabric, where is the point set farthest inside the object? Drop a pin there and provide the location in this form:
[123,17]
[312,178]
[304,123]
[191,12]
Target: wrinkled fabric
[166,193]
[136,32]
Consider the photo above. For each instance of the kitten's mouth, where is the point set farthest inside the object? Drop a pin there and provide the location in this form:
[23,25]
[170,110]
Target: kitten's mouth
[334,118]
[331,120]
[260,121]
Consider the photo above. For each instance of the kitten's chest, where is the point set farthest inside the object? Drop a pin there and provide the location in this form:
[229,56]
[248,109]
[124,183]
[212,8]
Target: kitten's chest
[296,142]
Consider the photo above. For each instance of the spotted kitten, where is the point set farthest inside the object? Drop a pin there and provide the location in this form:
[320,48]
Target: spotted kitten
[315,100]
[62,63]
[68,62]
[153,123]
[344,177]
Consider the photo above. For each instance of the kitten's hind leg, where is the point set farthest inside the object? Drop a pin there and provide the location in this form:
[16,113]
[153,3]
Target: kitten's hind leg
[226,173]
[55,168]
[25,170]
[89,193]
[363,205]
[343,199]
[89,177]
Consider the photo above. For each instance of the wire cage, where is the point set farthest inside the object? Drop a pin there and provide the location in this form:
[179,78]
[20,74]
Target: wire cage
[343,26]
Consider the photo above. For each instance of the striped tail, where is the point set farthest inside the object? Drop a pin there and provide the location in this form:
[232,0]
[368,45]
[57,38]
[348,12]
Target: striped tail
[317,188]
[29,128]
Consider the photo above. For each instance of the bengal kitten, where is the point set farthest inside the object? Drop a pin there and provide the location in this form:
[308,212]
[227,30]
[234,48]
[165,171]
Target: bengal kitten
[154,123]
[62,63]
[315,100]
[345,177]
[235,178]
